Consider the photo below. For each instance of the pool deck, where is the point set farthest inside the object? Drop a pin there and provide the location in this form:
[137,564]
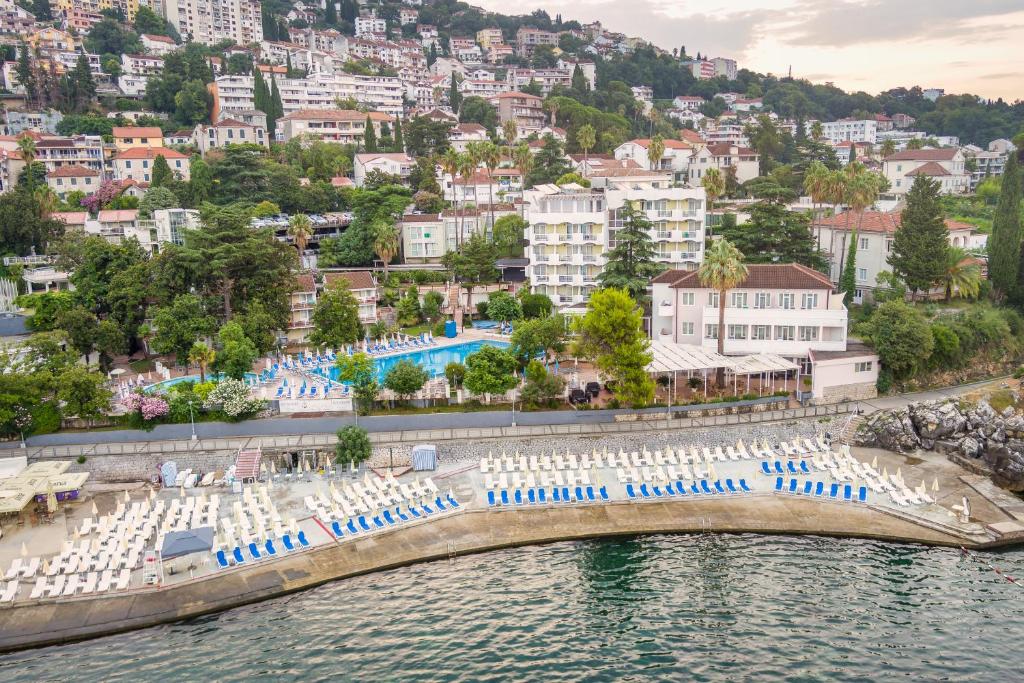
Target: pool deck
[996,521]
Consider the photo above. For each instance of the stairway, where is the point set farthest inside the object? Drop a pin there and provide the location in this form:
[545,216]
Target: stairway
[849,430]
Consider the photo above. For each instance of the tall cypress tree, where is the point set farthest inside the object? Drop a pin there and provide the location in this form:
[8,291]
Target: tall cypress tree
[276,108]
[331,14]
[848,278]
[399,141]
[454,96]
[920,244]
[1004,252]
[369,136]
[260,94]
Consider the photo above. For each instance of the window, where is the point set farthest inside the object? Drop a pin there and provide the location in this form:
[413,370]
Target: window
[784,332]
[713,299]
[809,301]
[808,333]
[863,243]
[862,275]
[761,332]
[862,367]
[787,300]
[888,246]
[737,331]
[127,164]
[739,299]
[686,298]
[763,300]
[686,328]
[711,331]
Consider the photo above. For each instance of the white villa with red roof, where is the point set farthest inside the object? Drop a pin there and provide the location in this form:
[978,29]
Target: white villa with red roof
[947,166]
[676,157]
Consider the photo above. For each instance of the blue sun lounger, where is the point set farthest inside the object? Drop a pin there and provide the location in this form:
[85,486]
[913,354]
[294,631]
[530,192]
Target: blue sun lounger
[351,526]
[254,551]
[644,492]
[579,495]
[819,489]
[302,539]
[440,504]
[630,491]
[504,500]
[363,525]
[704,486]
[388,518]
[336,528]
[518,497]
[808,485]
[237,554]
[656,490]
[222,560]
[590,494]
[743,485]
[731,486]
[718,486]
[490,498]
[269,545]
[792,485]
[764,469]
[680,488]
[694,488]
[778,467]
[401,515]
[791,468]
[669,490]
[377,522]
[834,491]
[566,498]
[454,503]
[804,468]
[604,493]
[287,541]
[415,512]
[556,495]
[847,493]
[531,496]
[542,496]
[778,483]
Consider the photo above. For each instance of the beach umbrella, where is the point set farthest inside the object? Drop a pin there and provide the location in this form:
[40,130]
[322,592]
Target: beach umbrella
[899,475]
[24,549]
[51,500]
[711,471]
[95,510]
[181,491]
[152,494]
[127,498]
[885,473]
[935,484]
[273,468]
[294,526]
[874,462]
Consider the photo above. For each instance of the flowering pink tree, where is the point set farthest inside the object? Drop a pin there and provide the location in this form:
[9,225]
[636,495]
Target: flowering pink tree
[108,191]
[148,407]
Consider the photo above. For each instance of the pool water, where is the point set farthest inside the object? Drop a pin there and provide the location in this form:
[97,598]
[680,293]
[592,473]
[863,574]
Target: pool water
[432,359]
[168,383]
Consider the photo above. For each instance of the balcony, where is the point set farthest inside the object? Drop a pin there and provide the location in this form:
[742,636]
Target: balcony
[565,279]
[540,238]
[589,258]
[589,237]
[541,278]
[565,238]
[540,258]
[663,235]
[666,309]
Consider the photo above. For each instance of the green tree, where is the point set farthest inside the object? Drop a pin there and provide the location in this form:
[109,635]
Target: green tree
[431,308]
[504,307]
[236,354]
[1004,246]
[586,136]
[180,325]
[611,335]
[259,326]
[474,265]
[149,22]
[508,235]
[300,229]
[80,325]
[360,371]
[775,234]
[336,319]
[535,305]
[386,241]
[848,278]
[901,337]
[490,371]
[538,337]
[192,103]
[405,378]
[408,309]
[920,244]
[455,373]
[478,110]
[549,163]
[82,393]
[961,274]
[541,388]
[454,96]
[399,138]
[369,136]
[157,198]
[631,264]
[24,226]
[110,341]
[722,270]
[353,446]
[202,356]
[162,173]
[200,184]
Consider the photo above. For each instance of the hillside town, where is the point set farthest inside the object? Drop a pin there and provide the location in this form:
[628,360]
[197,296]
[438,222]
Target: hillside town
[285,195]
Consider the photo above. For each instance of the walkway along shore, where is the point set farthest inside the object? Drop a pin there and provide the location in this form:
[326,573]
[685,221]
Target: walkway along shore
[48,622]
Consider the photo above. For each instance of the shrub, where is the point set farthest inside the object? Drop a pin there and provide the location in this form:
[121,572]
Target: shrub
[353,445]
[947,346]
[81,459]
[456,373]
[695,383]
[481,309]
[884,382]
[901,337]
[405,378]
[233,397]
[45,418]
[438,329]
[1019,372]
[541,388]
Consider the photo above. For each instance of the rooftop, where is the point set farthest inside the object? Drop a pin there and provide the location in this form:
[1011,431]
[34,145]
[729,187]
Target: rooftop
[72,172]
[876,221]
[759,276]
[335,115]
[356,279]
[137,132]
[923,155]
[151,153]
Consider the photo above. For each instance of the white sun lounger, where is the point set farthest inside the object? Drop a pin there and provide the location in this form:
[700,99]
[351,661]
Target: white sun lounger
[14,570]
[38,589]
[29,570]
[9,592]
[90,583]
[71,586]
[58,586]
[123,579]
[105,580]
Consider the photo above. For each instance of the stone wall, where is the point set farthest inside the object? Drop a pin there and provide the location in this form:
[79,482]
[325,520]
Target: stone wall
[847,392]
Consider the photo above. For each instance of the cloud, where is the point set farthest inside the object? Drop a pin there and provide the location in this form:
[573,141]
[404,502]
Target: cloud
[1000,77]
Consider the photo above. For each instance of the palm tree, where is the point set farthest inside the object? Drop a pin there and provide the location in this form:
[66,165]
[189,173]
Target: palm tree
[467,169]
[551,105]
[449,163]
[586,137]
[491,157]
[27,147]
[816,184]
[202,355]
[722,270]
[714,185]
[524,162]
[655,151]
[510,132]
[385,242]
[962,275]
[300,229]
[46,199]
[888,148]
[817,132]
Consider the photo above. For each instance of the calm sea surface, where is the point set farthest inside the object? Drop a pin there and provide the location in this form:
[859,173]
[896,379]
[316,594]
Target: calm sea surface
[674,608]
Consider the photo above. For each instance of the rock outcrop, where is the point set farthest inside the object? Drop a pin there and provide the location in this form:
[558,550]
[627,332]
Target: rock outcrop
[975,431]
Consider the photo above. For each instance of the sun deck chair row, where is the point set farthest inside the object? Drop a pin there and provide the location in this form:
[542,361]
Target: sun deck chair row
[257,551]
[820,489]
[678,489]
[789,467]
[533,480]
[386,518]
[65,586]
[541,496]
[544,463]
[637,475]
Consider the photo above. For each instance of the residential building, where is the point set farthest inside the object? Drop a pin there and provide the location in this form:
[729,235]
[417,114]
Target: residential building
[875,231]
[301,303]
[131,137]
[18,121]
[702,70]
[850,130]
[49,39]
[589,69]
[571,228]
[370,24]
[903,121]
[724,67]
[212,21]
[252,117]
[688,102]
[80,150]
[502,184]
[392,163]
[68,179]
[526,110]
[943,165]
[465,133]
[428,237]
[728,159]
[317,91]
[497,54]
[15,20]
[141,65]
[346,126]
[168,226]
[547,79]
[227,132]
[986,164]
[137,163]
[470,87]
[157,45]
[933,94]
[362,285]
[747,104]
[528,38]
[132,86]
[489,36]
[1002,146]
[407,16]
[726,131]
[676,157]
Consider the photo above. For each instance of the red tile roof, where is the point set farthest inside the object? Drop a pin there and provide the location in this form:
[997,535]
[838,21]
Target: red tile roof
[932,169]
[137,132]
[923,155]
[72,172]
[725,149]
[304,282]
[875,221]
[118,215]
[71,217]
[357,279]
[759,276]
[159,39]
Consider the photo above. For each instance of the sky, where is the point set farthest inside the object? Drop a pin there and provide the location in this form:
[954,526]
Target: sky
[964,46]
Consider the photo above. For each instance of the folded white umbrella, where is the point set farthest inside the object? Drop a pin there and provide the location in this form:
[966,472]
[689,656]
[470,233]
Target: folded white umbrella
[935,484]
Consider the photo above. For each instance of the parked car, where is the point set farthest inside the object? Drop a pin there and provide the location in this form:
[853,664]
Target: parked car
[593,389]
[577,396]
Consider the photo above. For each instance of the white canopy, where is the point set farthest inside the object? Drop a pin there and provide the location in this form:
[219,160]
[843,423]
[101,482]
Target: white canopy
[670,357]
[761,363]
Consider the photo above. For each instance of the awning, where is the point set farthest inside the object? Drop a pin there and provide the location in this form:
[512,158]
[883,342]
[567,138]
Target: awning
[670,357]
[69,482]
[12,466]
[178,543]
[48,468]
[14,496]
[761,363]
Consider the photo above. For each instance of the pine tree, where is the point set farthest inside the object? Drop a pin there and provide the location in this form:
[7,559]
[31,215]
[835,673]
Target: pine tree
[331,14]
[1004,245]
[919,246]
[84,83]
[848,279]
[260,96]
[369,136]
[399,141]
[432,55]
[288,65]
[579,81]
[162,173]
[276,108]
[27,76]
[454,96]
[269,26]
[631,263]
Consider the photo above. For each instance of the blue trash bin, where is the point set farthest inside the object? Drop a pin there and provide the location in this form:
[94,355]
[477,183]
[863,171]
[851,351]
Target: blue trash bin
[450,330]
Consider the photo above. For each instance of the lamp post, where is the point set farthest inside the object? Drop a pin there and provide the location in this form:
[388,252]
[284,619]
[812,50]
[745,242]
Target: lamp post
[192,419]
[514,406]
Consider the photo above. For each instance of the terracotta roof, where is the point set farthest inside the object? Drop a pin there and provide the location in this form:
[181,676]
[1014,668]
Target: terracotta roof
[514,93]
[159,39]
[669,143]
[137,132]
[469,128]
[923,155]
[117,215]
[357,279]
[876,221]
[691,136]
[71,217]
[341,181]
[626,173]
[231,123]
[421,218]
[304,282]
[932,168]
[725,149]
[72,172]
[759,276]
[151,153]
[335,115]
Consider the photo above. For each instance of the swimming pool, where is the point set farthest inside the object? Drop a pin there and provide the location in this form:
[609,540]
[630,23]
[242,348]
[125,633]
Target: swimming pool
[433,360]
[168,383]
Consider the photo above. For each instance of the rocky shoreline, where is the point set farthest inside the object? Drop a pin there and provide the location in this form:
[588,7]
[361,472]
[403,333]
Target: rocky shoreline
[974,431]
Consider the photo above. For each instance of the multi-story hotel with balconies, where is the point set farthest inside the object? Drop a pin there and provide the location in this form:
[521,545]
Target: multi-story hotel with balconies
[572,228]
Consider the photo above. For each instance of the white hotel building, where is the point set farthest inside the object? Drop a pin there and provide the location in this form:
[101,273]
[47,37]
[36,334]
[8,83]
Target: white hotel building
[571,228]
[317,91]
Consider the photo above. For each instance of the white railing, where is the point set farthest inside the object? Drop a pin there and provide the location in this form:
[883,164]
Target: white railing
[565,279]
[540,238]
